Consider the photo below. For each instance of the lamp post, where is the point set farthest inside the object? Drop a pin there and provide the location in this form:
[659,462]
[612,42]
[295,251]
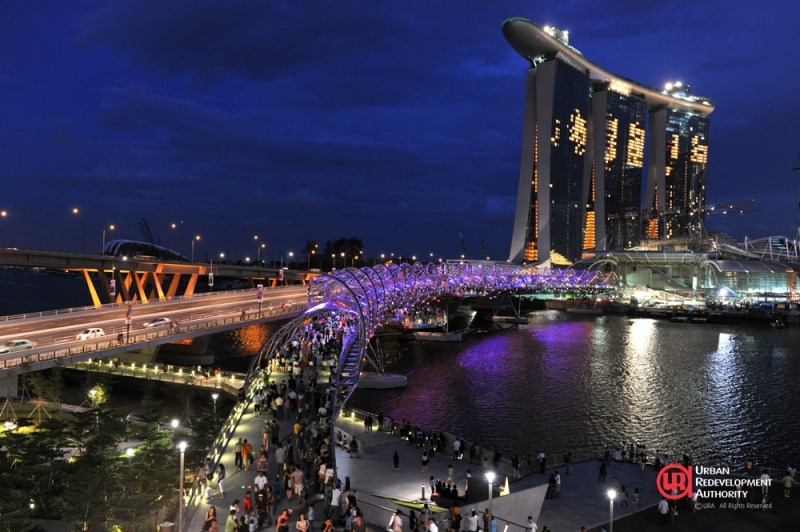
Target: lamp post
[175,226]
[490,480]
[612,494]
[110,228]
[77,212]
[215,396]
[333,255]
[291,254]
[129,452]
[195,239]
[182,447]
[258,256]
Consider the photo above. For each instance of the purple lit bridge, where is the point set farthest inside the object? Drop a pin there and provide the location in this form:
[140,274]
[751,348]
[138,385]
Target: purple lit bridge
[364,298]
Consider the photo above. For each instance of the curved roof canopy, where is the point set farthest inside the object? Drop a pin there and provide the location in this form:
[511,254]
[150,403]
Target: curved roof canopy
[535,43]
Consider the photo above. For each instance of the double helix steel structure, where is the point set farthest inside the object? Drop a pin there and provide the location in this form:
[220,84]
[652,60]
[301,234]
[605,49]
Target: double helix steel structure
[359,300]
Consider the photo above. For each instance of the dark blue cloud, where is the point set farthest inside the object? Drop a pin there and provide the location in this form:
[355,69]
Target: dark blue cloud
[398,122]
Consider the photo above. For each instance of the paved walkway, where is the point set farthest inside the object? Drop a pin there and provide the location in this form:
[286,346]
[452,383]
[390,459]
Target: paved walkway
[583,500]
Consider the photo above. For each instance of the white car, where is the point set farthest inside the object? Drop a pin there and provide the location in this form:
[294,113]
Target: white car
[91,332]
[17,345]
[157,322]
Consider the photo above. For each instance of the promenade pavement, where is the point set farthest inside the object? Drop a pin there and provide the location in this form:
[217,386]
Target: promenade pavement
[583,499]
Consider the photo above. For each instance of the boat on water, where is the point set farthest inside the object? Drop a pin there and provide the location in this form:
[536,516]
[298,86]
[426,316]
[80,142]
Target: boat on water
[594,311]
[519,320]
[431,336]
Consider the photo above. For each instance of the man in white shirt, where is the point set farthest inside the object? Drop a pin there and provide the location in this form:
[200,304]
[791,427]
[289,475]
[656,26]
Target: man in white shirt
[432,525]
[472,521]
[663,511]
[336,500]
[766,481]
[260,481]
[531,526]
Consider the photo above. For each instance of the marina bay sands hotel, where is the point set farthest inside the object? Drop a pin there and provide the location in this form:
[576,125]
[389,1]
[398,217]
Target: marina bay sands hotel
[583,155]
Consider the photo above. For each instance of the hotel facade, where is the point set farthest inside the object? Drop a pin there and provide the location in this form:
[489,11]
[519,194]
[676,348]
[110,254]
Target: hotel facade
[590,140]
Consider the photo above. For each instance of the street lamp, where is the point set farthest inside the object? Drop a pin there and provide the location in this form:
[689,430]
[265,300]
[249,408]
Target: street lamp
[612,494]
[110,228]
[291,254]
[258,256]
[129,452]
[215,396]
[76,211]
[195,239]
[312,251]
[174,226]
[490,480]
[333,255]
[182,447]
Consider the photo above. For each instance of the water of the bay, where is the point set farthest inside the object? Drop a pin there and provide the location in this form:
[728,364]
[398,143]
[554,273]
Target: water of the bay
[721,393]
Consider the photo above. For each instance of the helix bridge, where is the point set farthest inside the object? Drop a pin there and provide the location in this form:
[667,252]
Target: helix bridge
[360,300]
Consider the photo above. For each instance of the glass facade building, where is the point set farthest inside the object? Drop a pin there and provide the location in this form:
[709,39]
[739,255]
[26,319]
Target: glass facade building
[588,138]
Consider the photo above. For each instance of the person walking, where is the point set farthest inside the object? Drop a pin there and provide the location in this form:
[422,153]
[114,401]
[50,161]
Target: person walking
[221,481]
[472,522]
[395,523]
[395,462]
[788,483]
[211,516]
[425,460]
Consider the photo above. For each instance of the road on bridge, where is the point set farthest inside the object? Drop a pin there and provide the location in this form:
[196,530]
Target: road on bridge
[59,328]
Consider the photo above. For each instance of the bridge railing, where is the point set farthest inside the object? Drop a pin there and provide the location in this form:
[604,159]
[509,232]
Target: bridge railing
[109,346]
[228,384]
[72,310]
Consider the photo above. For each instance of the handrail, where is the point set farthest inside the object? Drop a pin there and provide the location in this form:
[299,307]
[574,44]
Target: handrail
[108,342]
[71,310]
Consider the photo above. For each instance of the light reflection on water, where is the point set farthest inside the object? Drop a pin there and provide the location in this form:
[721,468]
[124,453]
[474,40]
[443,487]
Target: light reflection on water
[717,392]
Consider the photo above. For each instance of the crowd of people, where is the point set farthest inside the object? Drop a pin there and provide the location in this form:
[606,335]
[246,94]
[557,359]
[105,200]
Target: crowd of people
[290,468]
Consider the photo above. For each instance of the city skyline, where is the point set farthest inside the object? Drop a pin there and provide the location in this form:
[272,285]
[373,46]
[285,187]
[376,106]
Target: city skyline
[399,125]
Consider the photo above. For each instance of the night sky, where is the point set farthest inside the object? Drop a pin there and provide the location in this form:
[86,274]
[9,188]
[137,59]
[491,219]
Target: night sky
[398,123]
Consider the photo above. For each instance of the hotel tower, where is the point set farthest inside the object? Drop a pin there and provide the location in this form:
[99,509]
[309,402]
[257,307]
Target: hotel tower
[588,137]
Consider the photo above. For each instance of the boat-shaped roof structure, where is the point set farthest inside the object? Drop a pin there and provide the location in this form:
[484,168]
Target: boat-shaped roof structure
[538,43]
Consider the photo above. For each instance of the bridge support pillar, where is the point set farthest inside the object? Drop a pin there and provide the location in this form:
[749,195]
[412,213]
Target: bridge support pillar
[9,386]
